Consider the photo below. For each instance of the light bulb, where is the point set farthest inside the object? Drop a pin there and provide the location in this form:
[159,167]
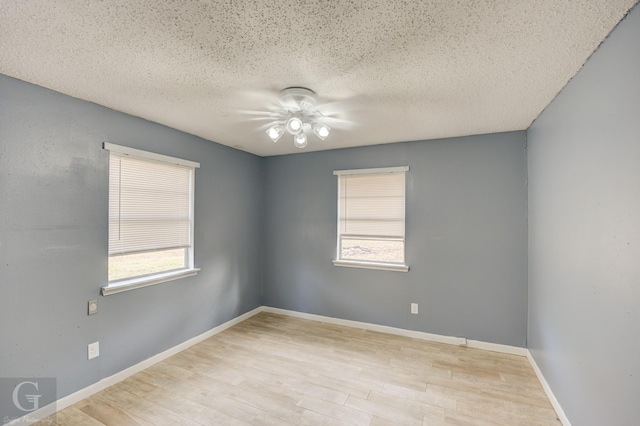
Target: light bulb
[275,131]
[300,140]
[294,125]
[321,130]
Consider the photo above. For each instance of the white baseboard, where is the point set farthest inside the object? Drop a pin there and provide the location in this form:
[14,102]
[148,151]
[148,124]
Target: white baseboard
[78,396]
[552,398]
[476,344]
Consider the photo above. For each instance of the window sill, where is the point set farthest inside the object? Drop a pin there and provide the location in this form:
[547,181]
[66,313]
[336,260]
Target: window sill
[134,283]
[371,265]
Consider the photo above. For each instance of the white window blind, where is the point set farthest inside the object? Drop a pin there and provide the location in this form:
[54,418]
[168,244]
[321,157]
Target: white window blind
[372,205]
[149,205]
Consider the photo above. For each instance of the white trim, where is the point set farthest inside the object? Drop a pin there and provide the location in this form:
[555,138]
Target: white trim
[371,265]
[125,150]
[192,221]
[339,236]
[78,396]
[134,283]
[476,344]
[338,204]
[547,389]
[378,170]
[164,276]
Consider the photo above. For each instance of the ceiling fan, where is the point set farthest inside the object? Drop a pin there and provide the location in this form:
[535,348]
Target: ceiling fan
[300,104]
[297,112]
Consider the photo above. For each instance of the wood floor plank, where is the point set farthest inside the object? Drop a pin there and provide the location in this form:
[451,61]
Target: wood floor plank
[349,385]
[336,411]
[417,408]
[144,409]
[388,412]
[210,417]
[109,414]
[176,403]
[454,418]
[380,421]
[277,370]
[71,416]
[427,397]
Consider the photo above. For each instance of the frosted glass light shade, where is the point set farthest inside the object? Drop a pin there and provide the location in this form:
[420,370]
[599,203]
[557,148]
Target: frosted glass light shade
[275,132]
[321,130]
[294,125]
[300,140]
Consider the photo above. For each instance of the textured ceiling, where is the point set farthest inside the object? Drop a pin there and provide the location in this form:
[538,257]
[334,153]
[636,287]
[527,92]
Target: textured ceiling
[392,70]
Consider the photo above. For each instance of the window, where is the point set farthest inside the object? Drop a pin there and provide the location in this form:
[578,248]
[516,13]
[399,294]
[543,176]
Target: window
[371,211]
[150,218]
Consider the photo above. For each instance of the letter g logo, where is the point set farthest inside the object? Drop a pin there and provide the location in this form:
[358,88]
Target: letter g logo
[33,399]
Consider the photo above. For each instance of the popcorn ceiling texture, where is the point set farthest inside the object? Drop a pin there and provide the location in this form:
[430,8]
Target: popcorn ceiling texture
[390,70]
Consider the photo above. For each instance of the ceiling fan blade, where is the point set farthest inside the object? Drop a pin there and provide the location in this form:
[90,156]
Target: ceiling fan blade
[268,119]
[339,123]
[257,100]
[244,114]
[251,112]
[256,113]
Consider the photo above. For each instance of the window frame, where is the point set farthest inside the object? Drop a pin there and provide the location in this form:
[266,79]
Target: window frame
[139,281]
[386,266]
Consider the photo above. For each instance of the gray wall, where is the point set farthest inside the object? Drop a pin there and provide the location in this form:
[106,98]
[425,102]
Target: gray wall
[466,238]
[53,240]
[584,252]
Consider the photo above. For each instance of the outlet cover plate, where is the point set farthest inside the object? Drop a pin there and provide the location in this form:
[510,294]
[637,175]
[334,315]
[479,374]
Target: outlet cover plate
[93,306]
[414,308]
[93,350]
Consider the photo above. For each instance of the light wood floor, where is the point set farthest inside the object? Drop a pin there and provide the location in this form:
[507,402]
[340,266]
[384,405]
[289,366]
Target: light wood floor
[278,370]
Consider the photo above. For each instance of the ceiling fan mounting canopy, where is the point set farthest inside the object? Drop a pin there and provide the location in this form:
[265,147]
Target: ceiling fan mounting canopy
[298,98]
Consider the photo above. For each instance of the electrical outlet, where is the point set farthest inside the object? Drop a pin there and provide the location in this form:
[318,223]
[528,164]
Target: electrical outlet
[414,308]
[93,350]
[93,306]
[462,341]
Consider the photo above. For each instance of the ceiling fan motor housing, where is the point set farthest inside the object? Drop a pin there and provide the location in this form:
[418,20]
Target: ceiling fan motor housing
[298,98]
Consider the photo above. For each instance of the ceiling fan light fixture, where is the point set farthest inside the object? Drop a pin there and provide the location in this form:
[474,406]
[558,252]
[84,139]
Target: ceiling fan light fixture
[300,140]
[302,117]
[294,125]
[321,130]
[275,132]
